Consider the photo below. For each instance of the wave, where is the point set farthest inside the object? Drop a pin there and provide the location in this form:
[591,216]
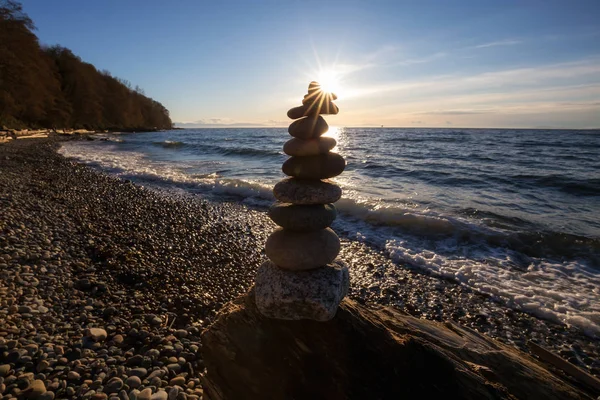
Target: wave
[219,150]
[169,144]
[584,187]
[107,137]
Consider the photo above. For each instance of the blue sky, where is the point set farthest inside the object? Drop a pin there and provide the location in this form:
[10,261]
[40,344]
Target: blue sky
[421,63]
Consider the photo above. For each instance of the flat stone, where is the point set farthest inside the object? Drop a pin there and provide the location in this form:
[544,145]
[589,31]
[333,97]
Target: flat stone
[302,250]
[304,191]
[308,127]
[313,109]
[318,97]
[314,86]
[295,295]
[296,217]
[139,372]
[322,166]
[310,147]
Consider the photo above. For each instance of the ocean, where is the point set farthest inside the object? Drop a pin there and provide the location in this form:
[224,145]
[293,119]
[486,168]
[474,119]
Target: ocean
[514,214]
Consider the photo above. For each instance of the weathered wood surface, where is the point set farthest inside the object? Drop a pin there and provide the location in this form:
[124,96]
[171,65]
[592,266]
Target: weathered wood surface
[365,354]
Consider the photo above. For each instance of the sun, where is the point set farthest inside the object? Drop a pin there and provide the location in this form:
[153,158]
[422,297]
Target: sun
[329,80]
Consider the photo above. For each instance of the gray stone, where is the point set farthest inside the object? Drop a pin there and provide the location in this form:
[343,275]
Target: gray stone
[322,166]
[311,147]
[303,217]
[302,250]
[318,95]
[303,191]
[296,295]
[308,127]
[312,108]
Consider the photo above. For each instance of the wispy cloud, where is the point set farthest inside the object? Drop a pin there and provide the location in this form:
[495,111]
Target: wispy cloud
[487,81]
[229,123]
[508,42]
[420,60]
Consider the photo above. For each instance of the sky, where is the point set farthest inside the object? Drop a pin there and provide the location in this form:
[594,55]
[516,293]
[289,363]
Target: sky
[446,63]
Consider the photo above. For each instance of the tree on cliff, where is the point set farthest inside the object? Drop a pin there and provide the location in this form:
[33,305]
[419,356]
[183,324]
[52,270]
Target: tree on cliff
[51,87]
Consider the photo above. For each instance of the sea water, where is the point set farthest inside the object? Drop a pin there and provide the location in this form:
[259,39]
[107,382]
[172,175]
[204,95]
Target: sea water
[514,214]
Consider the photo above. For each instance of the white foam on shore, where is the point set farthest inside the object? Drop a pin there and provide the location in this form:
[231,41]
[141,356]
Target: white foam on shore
[137,165]
[566,293]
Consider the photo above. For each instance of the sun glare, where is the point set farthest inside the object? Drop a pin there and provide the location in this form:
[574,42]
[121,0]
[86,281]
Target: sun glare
[329,80]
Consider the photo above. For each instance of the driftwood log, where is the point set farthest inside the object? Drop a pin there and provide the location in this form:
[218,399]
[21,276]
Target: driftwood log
[365,354]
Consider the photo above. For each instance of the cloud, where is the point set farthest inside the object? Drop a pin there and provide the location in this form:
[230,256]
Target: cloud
[420,60]
[505,80]
[507,42]
[228,123]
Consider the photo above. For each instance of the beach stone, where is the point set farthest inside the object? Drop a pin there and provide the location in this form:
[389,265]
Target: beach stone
[308,127]
[302,250]
[295,295]
[139,372]
[73,376]
[177,381]
[322,166]
[313,109]
[37,389]
[48,395]
[4,369]
[133,382]
[145,394]
[303,191]
[311,147]
[303,217]
[97,334]
[114,385]
[160,395]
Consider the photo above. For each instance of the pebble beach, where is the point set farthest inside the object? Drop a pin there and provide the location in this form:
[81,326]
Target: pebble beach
[106,285]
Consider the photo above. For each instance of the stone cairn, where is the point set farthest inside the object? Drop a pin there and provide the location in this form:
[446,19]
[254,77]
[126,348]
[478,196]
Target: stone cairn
[302,279]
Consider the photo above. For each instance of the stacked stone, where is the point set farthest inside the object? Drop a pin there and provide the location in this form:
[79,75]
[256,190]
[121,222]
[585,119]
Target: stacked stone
[302,279]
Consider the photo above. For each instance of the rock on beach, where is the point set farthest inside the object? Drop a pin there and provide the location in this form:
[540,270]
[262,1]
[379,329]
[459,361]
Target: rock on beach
[301,191]
[302,250]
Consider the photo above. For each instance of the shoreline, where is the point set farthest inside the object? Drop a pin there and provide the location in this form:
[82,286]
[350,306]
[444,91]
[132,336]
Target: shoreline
[82,249]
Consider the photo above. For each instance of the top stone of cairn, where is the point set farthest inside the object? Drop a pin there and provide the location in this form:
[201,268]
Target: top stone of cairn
[316,102]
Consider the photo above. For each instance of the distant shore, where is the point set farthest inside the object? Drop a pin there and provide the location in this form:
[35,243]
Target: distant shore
[80,249]
[12,134]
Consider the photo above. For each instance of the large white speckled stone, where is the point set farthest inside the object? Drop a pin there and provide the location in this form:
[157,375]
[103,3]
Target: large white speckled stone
[294,295]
